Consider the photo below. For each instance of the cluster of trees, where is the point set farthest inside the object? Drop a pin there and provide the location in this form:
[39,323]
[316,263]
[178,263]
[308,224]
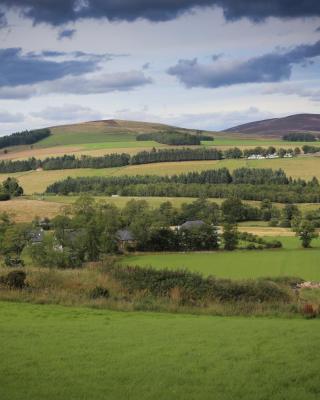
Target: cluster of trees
[307,149]
[243,183]
[88,230]
[184,154]
[174,138]
[269,151]
[10,188]
[65,162]
[25,137]
[300,137]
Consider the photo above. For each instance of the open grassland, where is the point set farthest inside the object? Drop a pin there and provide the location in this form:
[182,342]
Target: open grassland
[55,352]
[37,181]
[289,261]
[24,210]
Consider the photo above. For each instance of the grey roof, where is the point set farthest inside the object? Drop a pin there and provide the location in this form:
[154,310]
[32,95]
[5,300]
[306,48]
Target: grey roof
[192,224]
[36,236]
[125,235]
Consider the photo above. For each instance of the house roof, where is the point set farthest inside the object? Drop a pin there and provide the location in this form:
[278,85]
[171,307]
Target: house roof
[192,224]
[36,236]
[125,235]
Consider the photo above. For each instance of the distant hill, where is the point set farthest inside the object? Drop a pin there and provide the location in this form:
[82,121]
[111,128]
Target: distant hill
[279,126]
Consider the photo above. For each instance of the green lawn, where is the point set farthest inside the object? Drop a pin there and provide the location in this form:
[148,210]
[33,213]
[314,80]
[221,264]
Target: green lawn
[56,353]
[289,261]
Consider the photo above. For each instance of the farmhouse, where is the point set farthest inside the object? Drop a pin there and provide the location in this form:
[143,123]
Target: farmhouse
[192,224]
[125,239]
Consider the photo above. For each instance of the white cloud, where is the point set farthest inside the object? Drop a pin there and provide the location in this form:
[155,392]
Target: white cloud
[7,117]
[297,89]
[67,113]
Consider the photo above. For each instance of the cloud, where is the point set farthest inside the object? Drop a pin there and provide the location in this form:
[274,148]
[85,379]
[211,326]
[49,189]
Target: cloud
[7,117]
[104,83]
[17,68]
[294,89]
[68,112]
[59,12]
[146,66]
[3,20]
[220,120]
[66,34]
[272,67]
[216,120]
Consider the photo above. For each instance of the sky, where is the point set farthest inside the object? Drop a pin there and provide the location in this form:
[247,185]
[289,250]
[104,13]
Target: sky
[205,64]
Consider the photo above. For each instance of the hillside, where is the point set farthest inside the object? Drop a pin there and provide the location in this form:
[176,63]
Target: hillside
[103,131]
[277,127]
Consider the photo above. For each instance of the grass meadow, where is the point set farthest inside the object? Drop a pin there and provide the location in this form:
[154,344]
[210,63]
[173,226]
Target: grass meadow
[55,352]
[292,260]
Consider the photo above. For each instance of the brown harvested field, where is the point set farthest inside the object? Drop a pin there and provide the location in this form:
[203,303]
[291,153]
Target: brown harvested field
[267,231]
[23,153]
[24,210]
[41,153]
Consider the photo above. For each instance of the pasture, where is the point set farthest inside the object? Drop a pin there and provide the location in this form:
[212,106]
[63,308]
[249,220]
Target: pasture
[292,260]
[55,352]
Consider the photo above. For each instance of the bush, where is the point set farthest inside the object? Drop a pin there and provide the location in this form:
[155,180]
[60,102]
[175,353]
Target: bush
[15,279]
[193,287]
[99,292]
[4,196]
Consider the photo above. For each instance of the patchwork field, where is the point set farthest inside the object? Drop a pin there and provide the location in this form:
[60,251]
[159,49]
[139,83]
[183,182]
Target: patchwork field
[97,355]
[289,261]
[37,181]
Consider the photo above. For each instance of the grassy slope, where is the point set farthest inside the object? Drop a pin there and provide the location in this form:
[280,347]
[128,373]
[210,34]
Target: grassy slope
[56,353]
[290,261]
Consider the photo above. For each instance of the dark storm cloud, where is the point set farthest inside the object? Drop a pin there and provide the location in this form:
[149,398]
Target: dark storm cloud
[66,34]
[17,68]
[273,67]
[57,12]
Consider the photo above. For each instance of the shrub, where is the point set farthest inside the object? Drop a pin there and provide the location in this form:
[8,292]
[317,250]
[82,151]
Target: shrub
[99,292]
[15,279]
[193,287]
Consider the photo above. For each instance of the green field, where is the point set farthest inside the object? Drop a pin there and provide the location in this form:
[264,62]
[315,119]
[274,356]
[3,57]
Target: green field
[289,261]
[54,353]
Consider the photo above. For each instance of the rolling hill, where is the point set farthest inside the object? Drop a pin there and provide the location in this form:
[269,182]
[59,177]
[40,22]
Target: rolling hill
[277,127]
[101,131]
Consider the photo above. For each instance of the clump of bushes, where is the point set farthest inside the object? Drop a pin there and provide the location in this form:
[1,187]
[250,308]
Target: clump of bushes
[194,288]
[14,279]
[99,292]
[258,243]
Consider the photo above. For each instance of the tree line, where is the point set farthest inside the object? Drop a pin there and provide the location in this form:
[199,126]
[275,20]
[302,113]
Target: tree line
[244,183]
[24,137]
[300,137]
[174,138]
[143,157]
